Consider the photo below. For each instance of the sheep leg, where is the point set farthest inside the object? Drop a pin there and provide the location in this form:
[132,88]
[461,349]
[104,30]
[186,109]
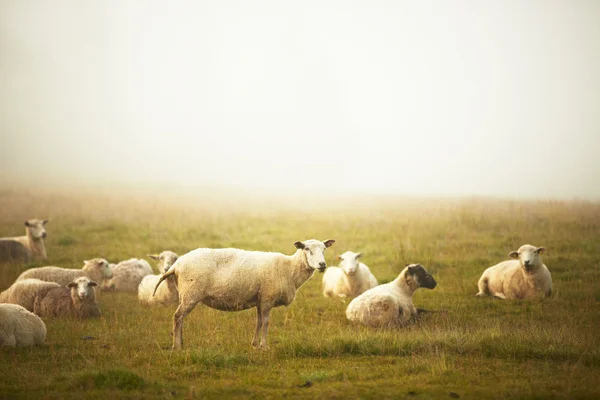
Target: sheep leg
[265,327]
[184,309]
[259,324]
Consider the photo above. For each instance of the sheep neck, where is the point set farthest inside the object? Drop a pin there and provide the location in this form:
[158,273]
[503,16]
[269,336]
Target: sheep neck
[301,271]
[36,245]
[406,287]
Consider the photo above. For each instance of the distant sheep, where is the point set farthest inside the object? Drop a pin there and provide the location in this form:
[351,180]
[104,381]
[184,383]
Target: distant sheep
[521,278]
[24,292]
[19,327]
[96,269]
[235,280]
[26,248]
[391,304]
[77,300]
[165,294]
[127,275]
[350,279]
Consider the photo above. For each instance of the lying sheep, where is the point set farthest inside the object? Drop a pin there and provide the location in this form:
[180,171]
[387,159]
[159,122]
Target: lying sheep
[19,327]
[391,304]
[234,280]
[78,300]
[166,294]
[97,269]
[350,279]
[522,278]
[26,248]
[127,275]
[24,292]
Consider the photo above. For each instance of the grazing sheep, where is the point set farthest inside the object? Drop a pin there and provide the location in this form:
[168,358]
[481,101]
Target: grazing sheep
[127,275]
[522,278]
[234,280]
[26,248]
[78,300]
[97,269]
[391,304]
[166,294]
[350,279]
[24,292]
[19,327]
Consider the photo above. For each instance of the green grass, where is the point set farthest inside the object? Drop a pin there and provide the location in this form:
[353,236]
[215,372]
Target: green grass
[480,348]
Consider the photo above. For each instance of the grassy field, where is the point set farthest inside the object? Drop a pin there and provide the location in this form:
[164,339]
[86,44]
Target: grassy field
[481,348]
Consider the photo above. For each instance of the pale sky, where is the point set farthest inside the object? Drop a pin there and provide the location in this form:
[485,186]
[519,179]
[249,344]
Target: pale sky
[494,98]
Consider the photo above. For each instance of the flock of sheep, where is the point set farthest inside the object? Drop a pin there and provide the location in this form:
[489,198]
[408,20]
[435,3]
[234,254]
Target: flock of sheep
[232,280]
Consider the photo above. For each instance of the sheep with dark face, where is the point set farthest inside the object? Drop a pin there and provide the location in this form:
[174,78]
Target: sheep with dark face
[26,248]
[391,304]
[77,300]
[521,278]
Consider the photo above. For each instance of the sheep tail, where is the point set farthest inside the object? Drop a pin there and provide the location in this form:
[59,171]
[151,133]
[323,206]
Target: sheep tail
[162,278]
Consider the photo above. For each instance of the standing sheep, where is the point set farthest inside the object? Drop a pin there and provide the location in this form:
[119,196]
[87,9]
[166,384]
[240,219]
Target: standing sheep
[521,278]
[166,294]
[26,248]
[97,269]
[24,292]
[127,275]
[235,280]
[350,279]
[78,300]
[19,327]
[391,304]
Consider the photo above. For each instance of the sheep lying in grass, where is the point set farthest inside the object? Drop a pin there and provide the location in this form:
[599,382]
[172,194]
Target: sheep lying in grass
[24,292]
[524,277]
[390,304]
[19,327]
[78,300]
[350,279]
[97,269]
[234,280]
[26,248]
[165,294]
[127,275]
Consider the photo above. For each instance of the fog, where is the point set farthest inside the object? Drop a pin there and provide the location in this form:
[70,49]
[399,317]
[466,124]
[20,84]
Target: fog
[371,97]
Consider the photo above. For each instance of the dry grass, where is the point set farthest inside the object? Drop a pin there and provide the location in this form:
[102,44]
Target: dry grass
[480,349]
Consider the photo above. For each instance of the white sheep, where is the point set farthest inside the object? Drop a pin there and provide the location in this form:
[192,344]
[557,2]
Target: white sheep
[78,300]
[235,280]
[127,275]
[97,269]
[350,279]
[26,248]
[19,327]
[166,294]
[523,277]
[390,304]
[24,292]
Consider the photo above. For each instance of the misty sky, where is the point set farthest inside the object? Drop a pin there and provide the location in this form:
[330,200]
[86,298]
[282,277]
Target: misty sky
[424,97]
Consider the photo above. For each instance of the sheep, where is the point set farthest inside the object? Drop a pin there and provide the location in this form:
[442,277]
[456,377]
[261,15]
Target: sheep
[26,248]
[166,294]
[235,280]
[97,269]
[127,275]
[77,299]
[19,327]
[350,279]
[24,292]
[391,304]
[521,278]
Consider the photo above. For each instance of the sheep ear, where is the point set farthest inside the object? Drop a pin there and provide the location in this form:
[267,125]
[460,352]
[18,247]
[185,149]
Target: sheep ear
[44,222]
[513,254]
[72,285]
[329,243]
[339,257]
[299,245]
[27,224]
[359,255]
[92,283]
[540,250]
[406,265]
[153,256]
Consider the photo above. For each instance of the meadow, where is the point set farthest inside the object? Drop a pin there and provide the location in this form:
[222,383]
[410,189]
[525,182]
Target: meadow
[478,348]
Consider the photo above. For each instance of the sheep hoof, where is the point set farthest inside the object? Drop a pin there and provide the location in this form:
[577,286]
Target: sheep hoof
[480,294]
